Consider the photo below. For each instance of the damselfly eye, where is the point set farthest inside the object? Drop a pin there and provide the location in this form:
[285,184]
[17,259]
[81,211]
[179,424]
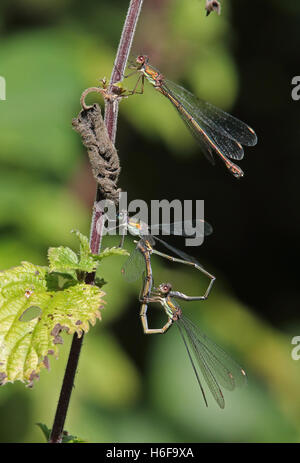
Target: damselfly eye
[141,59]
[166,287]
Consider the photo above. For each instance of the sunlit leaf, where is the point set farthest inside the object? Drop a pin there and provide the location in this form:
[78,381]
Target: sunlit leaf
[62,259]
[25,345]
[84,246]
[86,261]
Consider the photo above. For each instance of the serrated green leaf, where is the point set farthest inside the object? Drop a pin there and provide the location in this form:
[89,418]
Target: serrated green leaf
[25,346]
[62,259]
[84,244]
[110,252]
[86,261]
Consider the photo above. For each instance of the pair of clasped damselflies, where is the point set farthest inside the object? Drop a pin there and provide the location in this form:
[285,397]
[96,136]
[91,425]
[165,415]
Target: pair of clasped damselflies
[134,266]
[217,368]
[216,131]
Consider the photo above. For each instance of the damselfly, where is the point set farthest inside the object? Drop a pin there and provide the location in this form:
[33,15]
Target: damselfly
[134,266]
[215,130]
[216,366]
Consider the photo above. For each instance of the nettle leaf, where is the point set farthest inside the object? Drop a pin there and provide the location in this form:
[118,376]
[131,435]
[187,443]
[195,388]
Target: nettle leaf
[32,317]
[63,260]
[90,260]
[84,245]
[86,260]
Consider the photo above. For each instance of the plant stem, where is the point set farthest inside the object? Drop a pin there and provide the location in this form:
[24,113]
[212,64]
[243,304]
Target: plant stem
[111,116]
[111,109]
[65,393]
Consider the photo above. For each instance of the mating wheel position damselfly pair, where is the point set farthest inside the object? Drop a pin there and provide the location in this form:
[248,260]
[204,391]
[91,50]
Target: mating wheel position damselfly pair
[216,131]
[217,368]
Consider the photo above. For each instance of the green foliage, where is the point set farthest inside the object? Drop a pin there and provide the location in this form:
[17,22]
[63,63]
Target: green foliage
[26,345]
[45,430]
[37,303]
[66,438]
[86,262]
[64,260]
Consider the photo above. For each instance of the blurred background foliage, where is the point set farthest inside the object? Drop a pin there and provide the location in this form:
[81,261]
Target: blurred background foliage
[129,387]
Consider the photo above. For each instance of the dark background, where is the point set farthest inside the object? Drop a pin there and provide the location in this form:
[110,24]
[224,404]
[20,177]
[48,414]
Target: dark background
[244,62]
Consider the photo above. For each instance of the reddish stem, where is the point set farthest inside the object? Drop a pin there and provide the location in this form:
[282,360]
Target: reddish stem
[111,116]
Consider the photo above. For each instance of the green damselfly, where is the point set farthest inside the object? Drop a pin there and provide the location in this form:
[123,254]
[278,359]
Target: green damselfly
[216,131]
[217,368]
[134,265]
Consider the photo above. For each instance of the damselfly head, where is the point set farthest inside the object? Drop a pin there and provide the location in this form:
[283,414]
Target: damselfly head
[142,59]
[137,227]
[122,217]
[165,288]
